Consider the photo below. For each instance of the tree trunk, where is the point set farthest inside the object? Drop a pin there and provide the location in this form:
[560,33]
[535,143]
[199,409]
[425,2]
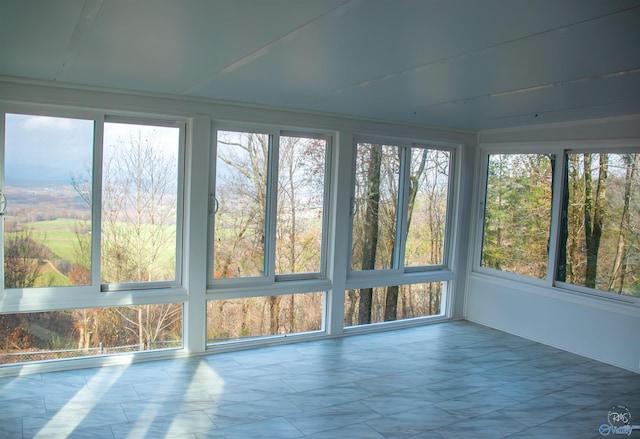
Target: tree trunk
[391,300]
[593,223]
[371,230]
[275,313]
[391,304]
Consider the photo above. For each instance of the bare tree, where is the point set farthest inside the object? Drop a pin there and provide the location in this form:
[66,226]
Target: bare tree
[139,196]
[23,256]
[631,172]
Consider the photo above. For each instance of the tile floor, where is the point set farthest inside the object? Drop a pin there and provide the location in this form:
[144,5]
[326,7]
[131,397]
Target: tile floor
[449,380]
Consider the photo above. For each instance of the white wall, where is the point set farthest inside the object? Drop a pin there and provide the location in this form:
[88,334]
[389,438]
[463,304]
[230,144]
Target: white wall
[603,329]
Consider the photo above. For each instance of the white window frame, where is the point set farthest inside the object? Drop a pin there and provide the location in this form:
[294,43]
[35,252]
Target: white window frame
[266,284]
[97,294]
[559,149]
[580,148]
[177,282]
[401,274]
[483,168]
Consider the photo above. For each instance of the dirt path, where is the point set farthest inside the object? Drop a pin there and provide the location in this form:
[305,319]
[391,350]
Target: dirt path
[53,267]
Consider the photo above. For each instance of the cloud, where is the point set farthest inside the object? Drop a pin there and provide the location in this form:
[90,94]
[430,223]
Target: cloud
[46,122]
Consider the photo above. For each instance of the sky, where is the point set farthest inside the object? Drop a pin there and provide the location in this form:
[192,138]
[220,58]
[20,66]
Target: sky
[43,150]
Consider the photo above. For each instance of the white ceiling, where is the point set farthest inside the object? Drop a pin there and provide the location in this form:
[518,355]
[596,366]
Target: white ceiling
[468,64]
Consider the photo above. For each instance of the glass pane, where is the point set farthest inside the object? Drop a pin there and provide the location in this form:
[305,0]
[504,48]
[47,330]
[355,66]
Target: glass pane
[299,227]
[518,214]
[235,319]
[376,201]
[427,207]
[139,203]
[85,332]
[241,194]
[47,222]
[600,232]
[383,304]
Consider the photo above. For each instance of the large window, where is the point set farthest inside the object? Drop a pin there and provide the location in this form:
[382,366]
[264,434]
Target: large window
[269,210]
[596,225]
[394,302]
[401,197]
[90,205]
[400,211]
[47,214]
[52,335]
[517,215]
[269,206]
[140,204]
[52,236]
[600,228]
[92,209]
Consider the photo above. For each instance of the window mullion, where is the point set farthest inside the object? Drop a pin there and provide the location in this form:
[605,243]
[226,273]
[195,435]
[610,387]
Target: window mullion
[271,207]
[3,201]
[556,214]
[213,203]
[326,213]
[96,202]
[180,204]
[402,208]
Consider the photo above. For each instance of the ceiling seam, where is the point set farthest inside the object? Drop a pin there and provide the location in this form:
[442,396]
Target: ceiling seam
[536,87]
[87,17]
[537,114]
[283,39]
[466,54]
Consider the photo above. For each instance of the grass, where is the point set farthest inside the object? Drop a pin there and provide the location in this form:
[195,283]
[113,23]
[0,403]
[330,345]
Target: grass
[60,236]
[48,276]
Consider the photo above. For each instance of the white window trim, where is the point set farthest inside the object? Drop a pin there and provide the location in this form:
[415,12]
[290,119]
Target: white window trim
[95,295]
[270,278]
[559,149]
[433,272]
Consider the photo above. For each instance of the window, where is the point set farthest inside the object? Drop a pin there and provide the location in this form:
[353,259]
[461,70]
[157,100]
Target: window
[517,214]
[262,316]
[600,229]
[45,214]
[399,228]
[68,225]
[300,212]
[89,205]
[394,303]
[401,199]
[140,204]
[269,206]
[269,210]
[55,335]
[591,244]
[376,206]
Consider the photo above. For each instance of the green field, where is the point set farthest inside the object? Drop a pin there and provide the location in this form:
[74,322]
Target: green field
[60,236]
[50,277]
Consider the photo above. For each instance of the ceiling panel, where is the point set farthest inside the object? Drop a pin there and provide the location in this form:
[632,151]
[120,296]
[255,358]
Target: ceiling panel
[375,39]
[572,54]
[168,46]
[458,63]
[34,36]
[550,104]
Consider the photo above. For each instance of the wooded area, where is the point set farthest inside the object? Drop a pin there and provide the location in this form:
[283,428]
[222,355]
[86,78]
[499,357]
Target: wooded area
[599,245]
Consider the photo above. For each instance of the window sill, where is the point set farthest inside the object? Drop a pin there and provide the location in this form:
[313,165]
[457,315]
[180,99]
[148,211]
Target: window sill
[51,299]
